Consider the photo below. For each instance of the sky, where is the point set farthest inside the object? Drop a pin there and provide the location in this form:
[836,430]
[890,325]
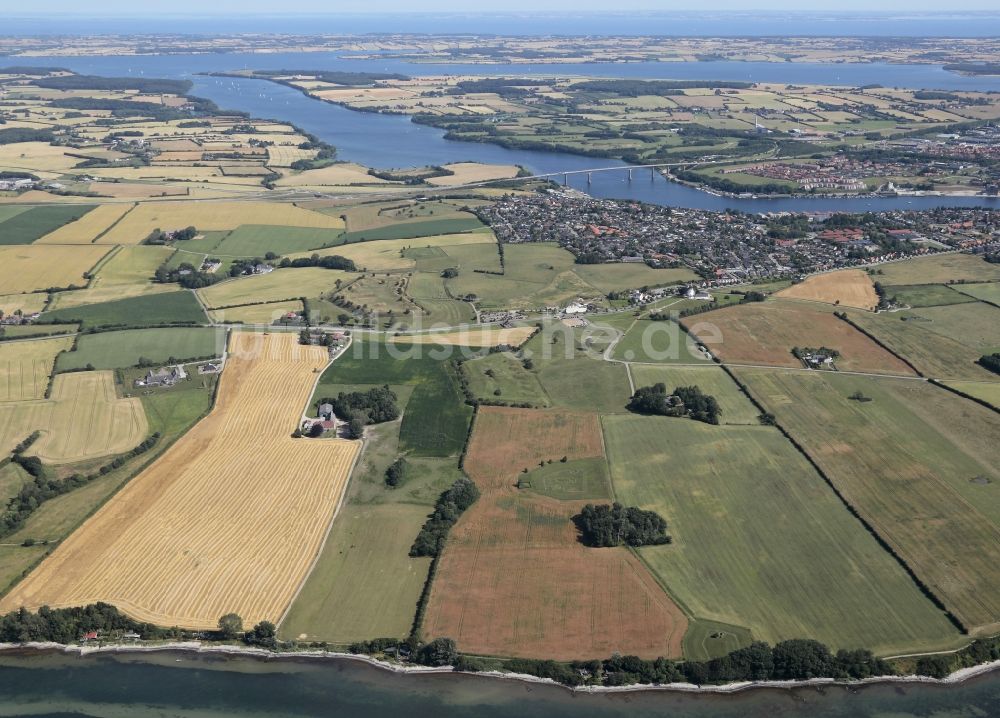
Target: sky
[328,7]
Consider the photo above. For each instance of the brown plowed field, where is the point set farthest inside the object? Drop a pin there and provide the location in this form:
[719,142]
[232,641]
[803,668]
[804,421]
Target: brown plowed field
[514,580]
[766,332]
[228,519]
[848,288]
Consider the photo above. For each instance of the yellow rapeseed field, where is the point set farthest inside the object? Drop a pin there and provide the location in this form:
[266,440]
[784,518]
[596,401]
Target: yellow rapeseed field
[228,519]
[212,216]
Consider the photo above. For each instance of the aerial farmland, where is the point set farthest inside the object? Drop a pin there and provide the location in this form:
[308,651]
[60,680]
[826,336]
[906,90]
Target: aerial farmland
[251,394]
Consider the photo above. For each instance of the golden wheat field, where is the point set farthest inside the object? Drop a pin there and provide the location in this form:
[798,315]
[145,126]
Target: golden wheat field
[848,288]
[31,267]
[86,229]
[474,172]
[229,518]
[137,225]
[83,419]
[25,367]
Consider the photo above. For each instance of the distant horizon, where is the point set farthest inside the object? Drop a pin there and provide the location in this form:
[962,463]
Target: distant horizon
[706,13]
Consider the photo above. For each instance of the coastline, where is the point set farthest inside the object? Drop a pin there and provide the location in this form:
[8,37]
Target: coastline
[234,651]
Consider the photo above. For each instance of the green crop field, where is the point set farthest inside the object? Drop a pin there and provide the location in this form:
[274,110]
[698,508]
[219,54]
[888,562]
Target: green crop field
[942,342]
[427,290]
[119,349]
[988,391]
[989,292]
[577,480]
[179,307]
[917,462]
[436,420]
[608,277]
[713,380]
[661,342]
[573,377]
[501,376]
[412,230]
[27,226]
[539,275]
[364,584]
[941,268]
[256,240]
[761,541]
[926,295]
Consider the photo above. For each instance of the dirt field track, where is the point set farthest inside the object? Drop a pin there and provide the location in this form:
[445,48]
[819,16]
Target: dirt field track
[848,288]
[514,580]
[228,519]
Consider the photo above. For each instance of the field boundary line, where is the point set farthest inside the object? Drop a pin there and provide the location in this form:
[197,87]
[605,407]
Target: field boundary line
[340,502]
[869,527]
[114,224]
[962,394]
[843,316]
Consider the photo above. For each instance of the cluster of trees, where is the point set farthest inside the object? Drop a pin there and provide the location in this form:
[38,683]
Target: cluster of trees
[129,108]
[152,86]
[263,635]
[724,184]
[412,176]
[66,625]
[158,236]
[41,487]
[789,660]
[186,275]
[790,226]
[991,362]
[613,525]
[396,473]
[360,408]
[333,261]
[688,401]
[13,135]
[449,506]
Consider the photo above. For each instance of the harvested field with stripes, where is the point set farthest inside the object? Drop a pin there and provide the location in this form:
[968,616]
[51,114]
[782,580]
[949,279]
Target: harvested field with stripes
[83,419]
[25,367]
[227,519]
[513,578]
[847,288]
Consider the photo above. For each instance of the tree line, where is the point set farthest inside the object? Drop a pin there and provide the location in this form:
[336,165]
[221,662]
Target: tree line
[449,506]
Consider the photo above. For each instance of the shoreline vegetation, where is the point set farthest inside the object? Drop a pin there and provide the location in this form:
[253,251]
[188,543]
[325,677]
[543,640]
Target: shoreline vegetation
[235,651]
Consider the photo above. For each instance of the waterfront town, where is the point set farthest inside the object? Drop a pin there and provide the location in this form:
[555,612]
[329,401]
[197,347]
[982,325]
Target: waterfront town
[732,247]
